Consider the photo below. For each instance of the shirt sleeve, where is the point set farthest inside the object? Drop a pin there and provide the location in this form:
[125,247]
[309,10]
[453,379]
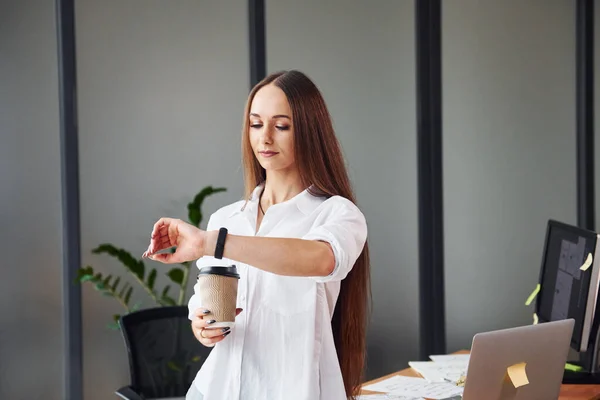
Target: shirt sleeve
[194,302]
[344,227]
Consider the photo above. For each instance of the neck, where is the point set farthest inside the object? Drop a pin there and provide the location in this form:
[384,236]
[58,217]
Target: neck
[281,186]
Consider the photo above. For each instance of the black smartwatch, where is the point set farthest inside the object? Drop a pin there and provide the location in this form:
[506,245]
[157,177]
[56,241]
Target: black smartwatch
[220,243]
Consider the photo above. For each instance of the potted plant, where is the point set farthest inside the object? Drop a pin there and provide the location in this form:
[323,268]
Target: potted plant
[121,291]
[163,356]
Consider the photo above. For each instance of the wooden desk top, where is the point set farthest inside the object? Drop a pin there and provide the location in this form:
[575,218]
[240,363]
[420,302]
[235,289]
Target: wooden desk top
[567,392]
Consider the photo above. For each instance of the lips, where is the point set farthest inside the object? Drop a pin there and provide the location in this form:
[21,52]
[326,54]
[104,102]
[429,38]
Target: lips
[268,153]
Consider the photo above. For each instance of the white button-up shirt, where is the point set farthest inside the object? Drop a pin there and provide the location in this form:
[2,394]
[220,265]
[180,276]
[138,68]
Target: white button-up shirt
[282,347]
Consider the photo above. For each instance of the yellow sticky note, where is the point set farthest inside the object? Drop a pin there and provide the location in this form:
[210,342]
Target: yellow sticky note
[587,263]
[535,319]
[533,294]
[518,375]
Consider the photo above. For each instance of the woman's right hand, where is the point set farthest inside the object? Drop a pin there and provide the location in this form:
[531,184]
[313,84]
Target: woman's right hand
[204,333]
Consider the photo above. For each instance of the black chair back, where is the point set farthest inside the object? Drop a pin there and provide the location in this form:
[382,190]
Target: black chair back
[164,355]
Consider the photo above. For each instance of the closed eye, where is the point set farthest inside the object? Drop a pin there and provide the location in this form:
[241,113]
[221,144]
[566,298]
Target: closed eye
[283,128]
[256,126]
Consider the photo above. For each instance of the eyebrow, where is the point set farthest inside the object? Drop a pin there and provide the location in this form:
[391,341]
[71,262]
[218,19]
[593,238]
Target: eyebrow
[274,116]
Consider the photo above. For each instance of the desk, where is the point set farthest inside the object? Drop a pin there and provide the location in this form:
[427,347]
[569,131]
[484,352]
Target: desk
[567,392]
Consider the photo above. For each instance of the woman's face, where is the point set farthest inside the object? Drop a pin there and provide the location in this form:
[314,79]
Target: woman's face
[271,130]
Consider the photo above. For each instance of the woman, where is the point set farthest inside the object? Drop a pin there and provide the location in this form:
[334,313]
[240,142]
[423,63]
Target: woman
[299,244]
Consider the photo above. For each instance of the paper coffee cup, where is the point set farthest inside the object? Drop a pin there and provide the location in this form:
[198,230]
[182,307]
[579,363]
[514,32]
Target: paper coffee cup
[217,289]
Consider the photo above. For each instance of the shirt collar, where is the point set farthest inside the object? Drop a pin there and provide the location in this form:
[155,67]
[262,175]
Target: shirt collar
[304,201]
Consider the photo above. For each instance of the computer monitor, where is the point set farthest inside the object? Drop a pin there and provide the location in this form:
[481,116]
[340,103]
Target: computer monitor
[567,291]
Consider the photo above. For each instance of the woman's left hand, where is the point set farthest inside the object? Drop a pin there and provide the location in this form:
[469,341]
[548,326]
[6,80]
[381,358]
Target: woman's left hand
[169,232]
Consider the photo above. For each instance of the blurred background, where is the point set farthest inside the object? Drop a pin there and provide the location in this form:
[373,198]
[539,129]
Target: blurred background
[161,87]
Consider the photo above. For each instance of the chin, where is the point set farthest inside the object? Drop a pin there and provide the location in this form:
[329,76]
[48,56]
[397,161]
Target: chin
[269,166]
[275,165]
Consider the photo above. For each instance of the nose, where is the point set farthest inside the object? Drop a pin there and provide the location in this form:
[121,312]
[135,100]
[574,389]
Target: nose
[266,136]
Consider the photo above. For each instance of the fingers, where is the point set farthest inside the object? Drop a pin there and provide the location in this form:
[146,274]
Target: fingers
[200,320]
[163,253]
[201,326]
[161,227]
[206,335]
[163,236]
[210,337]
[214,335]
[198,334]
[157,233]
[202,323]
[203,312]
[164,258]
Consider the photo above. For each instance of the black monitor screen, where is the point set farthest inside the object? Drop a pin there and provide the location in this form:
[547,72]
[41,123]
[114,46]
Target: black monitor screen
[564,286]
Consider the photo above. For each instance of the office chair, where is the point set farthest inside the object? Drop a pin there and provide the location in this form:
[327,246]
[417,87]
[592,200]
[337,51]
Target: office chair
[164,356]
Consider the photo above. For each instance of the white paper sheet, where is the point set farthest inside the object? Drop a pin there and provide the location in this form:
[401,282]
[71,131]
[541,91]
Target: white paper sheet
[415,387]
[386,397]
[451,358]
[443,371]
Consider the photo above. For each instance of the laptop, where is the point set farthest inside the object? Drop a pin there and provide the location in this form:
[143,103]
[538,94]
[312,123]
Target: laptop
[543,348]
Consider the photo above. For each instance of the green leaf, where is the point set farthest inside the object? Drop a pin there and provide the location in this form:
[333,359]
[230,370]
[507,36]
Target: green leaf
[86,271]
[133,265]
[86,278]
[173,366]
[141,269]
[196,358]
[116,283]
[152,278]
[166,290]
[81,272]
[136,307]
[113,326]
[128,295]
[195,207]
[106,280]
[123,289]
[176,275]
[99,286]
[194,215]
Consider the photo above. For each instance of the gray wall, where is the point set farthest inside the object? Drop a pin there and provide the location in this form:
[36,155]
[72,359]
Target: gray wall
[31,346]
[161,97]
[509,153]
[362,57]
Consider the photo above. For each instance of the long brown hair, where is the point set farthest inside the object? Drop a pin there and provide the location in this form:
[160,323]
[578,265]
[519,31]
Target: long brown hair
[321,165]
